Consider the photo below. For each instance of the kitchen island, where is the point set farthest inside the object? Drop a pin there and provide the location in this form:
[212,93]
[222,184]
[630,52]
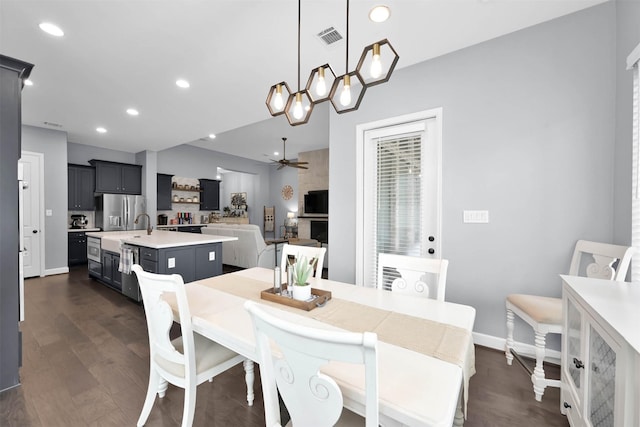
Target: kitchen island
[193,256]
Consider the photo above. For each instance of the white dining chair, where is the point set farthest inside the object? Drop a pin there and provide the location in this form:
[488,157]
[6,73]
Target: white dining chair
[306,251]
[186,361]
[312,398]
[426,277]
[544,314]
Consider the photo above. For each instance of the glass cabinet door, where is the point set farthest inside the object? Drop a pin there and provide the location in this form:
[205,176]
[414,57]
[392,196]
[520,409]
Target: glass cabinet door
[602,384]
[574,360]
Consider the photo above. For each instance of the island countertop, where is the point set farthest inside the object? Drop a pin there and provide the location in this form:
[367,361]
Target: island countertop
[158,239]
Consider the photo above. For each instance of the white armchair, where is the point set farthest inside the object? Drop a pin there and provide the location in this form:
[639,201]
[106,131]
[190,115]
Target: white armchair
[249,250]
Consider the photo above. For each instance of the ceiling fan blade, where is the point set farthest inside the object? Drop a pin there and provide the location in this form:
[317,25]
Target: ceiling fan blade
[281,166]
[298,166]
[298,163]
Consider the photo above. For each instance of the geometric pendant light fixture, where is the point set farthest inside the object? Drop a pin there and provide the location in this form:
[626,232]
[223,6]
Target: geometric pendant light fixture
[345,92]
[349,88]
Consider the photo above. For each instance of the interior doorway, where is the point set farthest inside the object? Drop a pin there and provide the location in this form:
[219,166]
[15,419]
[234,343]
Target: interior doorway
[32,213]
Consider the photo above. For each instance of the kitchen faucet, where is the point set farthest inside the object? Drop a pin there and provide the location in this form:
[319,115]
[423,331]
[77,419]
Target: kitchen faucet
[149,229]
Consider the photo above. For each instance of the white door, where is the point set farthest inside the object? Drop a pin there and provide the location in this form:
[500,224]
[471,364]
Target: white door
[399,188]
[32,219]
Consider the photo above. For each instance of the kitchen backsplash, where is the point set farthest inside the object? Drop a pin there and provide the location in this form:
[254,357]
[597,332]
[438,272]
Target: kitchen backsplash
[91,218]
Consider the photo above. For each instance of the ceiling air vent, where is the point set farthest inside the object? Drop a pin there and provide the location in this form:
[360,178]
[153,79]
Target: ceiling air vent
[330,35]
[54,125]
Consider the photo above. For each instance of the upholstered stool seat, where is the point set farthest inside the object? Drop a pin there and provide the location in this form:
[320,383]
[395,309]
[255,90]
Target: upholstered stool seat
[540,309]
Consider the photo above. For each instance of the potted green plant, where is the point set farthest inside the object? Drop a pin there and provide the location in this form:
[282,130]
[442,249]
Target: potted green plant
[302,269]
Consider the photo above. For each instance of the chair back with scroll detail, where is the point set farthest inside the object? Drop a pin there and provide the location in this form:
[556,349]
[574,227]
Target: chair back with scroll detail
[270,220]
[293,364]
[186,361]
[544,314]
[424,277]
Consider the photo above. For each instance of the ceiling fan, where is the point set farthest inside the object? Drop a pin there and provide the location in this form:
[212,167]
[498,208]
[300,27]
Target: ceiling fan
[284,162]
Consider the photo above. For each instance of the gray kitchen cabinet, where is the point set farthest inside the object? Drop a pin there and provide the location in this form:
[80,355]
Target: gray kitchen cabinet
[13,72]
[210,197]
[194,262]
[117,178]
[81,182]
[164,192]
[110,274]
[77,248]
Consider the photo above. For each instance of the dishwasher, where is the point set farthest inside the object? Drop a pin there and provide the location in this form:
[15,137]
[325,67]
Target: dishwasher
[130,286]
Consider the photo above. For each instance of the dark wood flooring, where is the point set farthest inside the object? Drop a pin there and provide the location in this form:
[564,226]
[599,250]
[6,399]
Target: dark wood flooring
[85,363]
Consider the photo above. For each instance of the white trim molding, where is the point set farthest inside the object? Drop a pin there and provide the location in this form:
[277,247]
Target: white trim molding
[54,271]
[633,57]
[527,350]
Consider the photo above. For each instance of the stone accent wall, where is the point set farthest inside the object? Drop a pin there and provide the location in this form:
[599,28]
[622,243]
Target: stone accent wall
[314,178]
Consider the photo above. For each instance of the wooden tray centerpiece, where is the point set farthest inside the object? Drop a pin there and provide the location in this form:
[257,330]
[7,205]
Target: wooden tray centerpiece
[320,298]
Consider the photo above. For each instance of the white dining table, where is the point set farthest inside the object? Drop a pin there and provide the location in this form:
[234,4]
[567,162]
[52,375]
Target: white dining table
[414,389]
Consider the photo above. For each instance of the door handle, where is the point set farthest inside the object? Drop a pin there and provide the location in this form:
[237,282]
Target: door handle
[35,231]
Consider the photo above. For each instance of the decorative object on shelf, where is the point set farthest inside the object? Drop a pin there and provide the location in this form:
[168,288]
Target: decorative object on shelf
[291,226]
[239,201]
[195,199]
[284,162]
[347,90]
[302,269]
[269,224]
[287,192]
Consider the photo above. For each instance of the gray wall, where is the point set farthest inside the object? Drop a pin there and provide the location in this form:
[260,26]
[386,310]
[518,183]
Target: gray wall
[528,133]
[627,38]
[80,154]
[280,178]
[53,144]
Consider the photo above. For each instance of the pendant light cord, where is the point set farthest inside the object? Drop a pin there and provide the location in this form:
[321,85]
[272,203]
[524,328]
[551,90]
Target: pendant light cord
[346,60]
[299,45]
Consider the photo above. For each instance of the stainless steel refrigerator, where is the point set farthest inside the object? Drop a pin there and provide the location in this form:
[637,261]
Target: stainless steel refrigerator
[116,212]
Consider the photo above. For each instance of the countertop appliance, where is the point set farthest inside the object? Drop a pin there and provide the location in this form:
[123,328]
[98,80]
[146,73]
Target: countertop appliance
[117,212]
[78,221]
[163,219]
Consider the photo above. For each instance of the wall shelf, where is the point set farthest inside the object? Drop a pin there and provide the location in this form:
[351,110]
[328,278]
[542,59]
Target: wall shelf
[186,203]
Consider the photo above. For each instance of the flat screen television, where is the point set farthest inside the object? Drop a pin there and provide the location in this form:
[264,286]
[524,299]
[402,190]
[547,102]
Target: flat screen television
[316,202]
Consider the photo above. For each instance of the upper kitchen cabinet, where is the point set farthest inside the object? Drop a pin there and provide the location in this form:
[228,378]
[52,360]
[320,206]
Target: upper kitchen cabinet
[164,192]
[119,178]
[82,184]
[210,198]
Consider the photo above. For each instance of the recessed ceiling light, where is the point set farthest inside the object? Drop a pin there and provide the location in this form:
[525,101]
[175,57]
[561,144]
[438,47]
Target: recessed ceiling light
[275,153]
[132,112]
[101,130]
[28,82]
[212,136]
[379,13]
[217,176]
[52,29]
[182,83]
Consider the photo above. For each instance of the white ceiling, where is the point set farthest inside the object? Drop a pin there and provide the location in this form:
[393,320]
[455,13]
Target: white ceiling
[118,54]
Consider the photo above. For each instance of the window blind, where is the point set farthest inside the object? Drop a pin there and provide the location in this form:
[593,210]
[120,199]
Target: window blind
[398,199]
[635,203]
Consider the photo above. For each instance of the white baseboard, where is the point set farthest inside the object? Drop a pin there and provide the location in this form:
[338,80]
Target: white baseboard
[528,350]
[54,271]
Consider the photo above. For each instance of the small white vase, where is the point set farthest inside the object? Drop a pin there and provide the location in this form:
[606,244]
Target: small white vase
[301,293]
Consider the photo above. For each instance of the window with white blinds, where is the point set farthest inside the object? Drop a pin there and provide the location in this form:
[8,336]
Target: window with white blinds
[635,204]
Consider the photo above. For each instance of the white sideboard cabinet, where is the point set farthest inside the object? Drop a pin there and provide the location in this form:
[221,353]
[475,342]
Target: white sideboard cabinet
[600,376]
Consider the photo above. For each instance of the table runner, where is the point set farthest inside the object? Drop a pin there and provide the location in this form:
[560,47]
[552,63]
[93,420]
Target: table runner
[442,341]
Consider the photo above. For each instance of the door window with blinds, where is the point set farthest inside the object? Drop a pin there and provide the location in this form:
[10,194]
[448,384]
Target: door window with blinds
[633,62]
[400,194]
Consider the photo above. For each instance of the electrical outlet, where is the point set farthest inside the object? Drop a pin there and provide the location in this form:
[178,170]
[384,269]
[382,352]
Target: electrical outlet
[48,212]
[171,263]
[212,256]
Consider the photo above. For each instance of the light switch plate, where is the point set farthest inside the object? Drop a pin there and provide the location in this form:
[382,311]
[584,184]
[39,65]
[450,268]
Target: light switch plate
[48,212]
[475,217]
[212,256]
[171,263]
